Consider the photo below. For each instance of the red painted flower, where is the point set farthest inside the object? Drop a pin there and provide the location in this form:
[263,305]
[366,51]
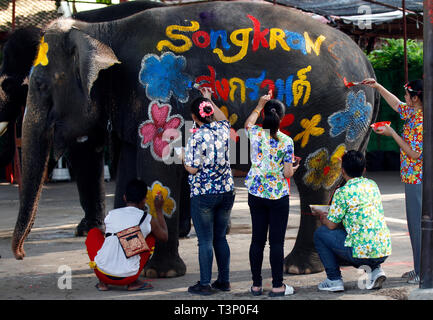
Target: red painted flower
[160,130]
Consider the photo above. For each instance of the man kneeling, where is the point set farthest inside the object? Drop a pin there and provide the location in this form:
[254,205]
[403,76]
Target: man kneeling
[365,239]
[107,257]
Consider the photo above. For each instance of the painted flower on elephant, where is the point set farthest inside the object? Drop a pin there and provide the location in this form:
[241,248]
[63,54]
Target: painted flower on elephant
[42,57]
[169,206]
[163,77]
[323,170]
[354,119]
[311,128]
[160,131]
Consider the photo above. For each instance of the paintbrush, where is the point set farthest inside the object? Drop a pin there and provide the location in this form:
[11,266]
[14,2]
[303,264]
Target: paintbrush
[350,84]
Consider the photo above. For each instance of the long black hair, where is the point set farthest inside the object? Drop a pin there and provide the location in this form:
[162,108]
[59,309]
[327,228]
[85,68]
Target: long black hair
[208,109]
[274,111]
[415,88]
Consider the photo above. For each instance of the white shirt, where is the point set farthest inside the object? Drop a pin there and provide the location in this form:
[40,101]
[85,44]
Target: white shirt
[111,259]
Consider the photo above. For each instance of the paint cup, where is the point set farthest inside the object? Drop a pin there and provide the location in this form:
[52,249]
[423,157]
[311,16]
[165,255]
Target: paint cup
[380,124]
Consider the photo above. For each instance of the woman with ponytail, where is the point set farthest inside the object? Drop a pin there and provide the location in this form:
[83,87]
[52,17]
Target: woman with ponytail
[212,195]
[411,159]
[272,154]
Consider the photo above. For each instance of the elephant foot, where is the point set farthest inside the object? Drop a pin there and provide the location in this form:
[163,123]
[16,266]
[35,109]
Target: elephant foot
[303,261]
[165,268]
[85,226]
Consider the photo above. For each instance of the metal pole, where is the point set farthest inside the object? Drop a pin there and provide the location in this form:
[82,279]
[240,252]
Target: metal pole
[406,72]
[426,272]
[13,15]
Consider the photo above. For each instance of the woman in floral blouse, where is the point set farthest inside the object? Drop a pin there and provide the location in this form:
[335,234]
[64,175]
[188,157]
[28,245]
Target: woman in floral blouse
[210,178]
[365,240]
[271,155]
[411,160]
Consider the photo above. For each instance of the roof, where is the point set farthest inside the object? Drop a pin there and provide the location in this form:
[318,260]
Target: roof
[350,7]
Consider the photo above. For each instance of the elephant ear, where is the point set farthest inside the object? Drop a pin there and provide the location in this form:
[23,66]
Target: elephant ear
[93,56]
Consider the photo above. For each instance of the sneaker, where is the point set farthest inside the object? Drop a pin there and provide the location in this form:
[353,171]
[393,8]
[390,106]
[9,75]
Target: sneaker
[375,279]
[414,279]
[409,274]
[331,285]
[223,286]
[201,290]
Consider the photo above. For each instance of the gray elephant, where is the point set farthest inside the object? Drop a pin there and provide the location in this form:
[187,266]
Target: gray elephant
[134,77]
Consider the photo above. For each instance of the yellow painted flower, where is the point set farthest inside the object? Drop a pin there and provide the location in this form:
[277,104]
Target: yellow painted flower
[169,206]
[42,57]
[323,171]
[311,128]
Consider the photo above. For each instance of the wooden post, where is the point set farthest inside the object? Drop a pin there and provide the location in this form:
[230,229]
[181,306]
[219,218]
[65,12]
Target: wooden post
[13,15]
[426,272]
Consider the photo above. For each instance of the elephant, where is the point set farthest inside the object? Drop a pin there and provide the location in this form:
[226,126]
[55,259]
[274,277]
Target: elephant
[90,79]
[19,53]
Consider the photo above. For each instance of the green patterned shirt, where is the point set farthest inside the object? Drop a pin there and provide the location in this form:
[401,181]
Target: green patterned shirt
[358,205]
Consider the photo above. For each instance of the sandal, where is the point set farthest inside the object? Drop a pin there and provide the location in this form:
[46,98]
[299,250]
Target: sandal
[99,288]
[144,286]
[288,291]
[256,293]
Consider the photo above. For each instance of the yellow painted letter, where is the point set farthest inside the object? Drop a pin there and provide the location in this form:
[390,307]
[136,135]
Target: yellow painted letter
[169,32]
[243,43]
[299,85]
[277,35]
[316,45]
[233,88]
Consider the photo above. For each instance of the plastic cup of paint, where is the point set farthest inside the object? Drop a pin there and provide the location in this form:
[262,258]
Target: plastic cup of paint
[378,125]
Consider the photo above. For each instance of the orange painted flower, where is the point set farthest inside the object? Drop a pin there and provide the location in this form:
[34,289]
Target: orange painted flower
[169,206]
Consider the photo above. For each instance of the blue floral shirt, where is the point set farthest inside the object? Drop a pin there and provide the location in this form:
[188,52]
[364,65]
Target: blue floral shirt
[208,150]
[265,178]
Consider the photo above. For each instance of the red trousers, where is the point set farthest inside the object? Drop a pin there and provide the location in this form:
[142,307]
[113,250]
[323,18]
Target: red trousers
[95,240]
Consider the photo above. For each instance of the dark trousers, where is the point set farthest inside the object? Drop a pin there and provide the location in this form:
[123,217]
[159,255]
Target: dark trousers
[267,215]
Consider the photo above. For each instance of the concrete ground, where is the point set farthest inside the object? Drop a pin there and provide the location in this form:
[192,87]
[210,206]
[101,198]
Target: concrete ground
[53,252]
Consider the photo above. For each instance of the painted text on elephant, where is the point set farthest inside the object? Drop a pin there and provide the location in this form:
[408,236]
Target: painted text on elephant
[290,88]
[286,39]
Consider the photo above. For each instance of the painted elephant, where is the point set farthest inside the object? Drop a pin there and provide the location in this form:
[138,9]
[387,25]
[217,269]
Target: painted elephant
[19,53]
[134,77]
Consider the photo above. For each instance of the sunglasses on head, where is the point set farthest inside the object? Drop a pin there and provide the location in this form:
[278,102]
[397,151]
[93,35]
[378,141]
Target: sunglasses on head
[408,88]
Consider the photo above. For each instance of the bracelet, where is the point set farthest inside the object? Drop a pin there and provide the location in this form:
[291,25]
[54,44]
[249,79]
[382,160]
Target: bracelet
[258,112]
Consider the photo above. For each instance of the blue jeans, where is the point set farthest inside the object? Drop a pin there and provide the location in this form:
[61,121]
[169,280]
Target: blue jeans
[210,215]
[413,199]
[330,246]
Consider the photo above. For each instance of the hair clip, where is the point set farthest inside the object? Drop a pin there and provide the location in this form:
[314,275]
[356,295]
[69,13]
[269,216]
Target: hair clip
[203,113]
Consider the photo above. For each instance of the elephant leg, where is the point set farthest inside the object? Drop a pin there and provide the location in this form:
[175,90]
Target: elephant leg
[184,207]
[126,171]
[88,167]
[166,262]
[304,259]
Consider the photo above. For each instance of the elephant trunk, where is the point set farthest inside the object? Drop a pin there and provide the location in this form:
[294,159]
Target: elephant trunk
[36,145]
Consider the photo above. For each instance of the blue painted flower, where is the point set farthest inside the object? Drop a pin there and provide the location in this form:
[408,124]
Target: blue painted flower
[163,76]
[354,119]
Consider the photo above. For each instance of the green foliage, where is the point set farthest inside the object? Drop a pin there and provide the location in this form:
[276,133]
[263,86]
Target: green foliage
[103,1]
[391,55]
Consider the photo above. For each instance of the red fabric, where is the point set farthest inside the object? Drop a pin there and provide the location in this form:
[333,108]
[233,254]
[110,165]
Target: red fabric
[95,240]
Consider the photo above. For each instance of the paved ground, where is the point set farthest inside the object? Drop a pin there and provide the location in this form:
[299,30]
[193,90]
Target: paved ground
[52,251]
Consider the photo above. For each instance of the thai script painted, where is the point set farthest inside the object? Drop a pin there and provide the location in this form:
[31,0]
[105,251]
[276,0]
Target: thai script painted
[285,90]
[241,38]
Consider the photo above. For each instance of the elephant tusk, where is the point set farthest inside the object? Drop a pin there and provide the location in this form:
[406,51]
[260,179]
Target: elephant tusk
[3,127]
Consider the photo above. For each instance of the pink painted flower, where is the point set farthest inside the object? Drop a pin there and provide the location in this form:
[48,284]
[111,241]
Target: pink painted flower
[160,130]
